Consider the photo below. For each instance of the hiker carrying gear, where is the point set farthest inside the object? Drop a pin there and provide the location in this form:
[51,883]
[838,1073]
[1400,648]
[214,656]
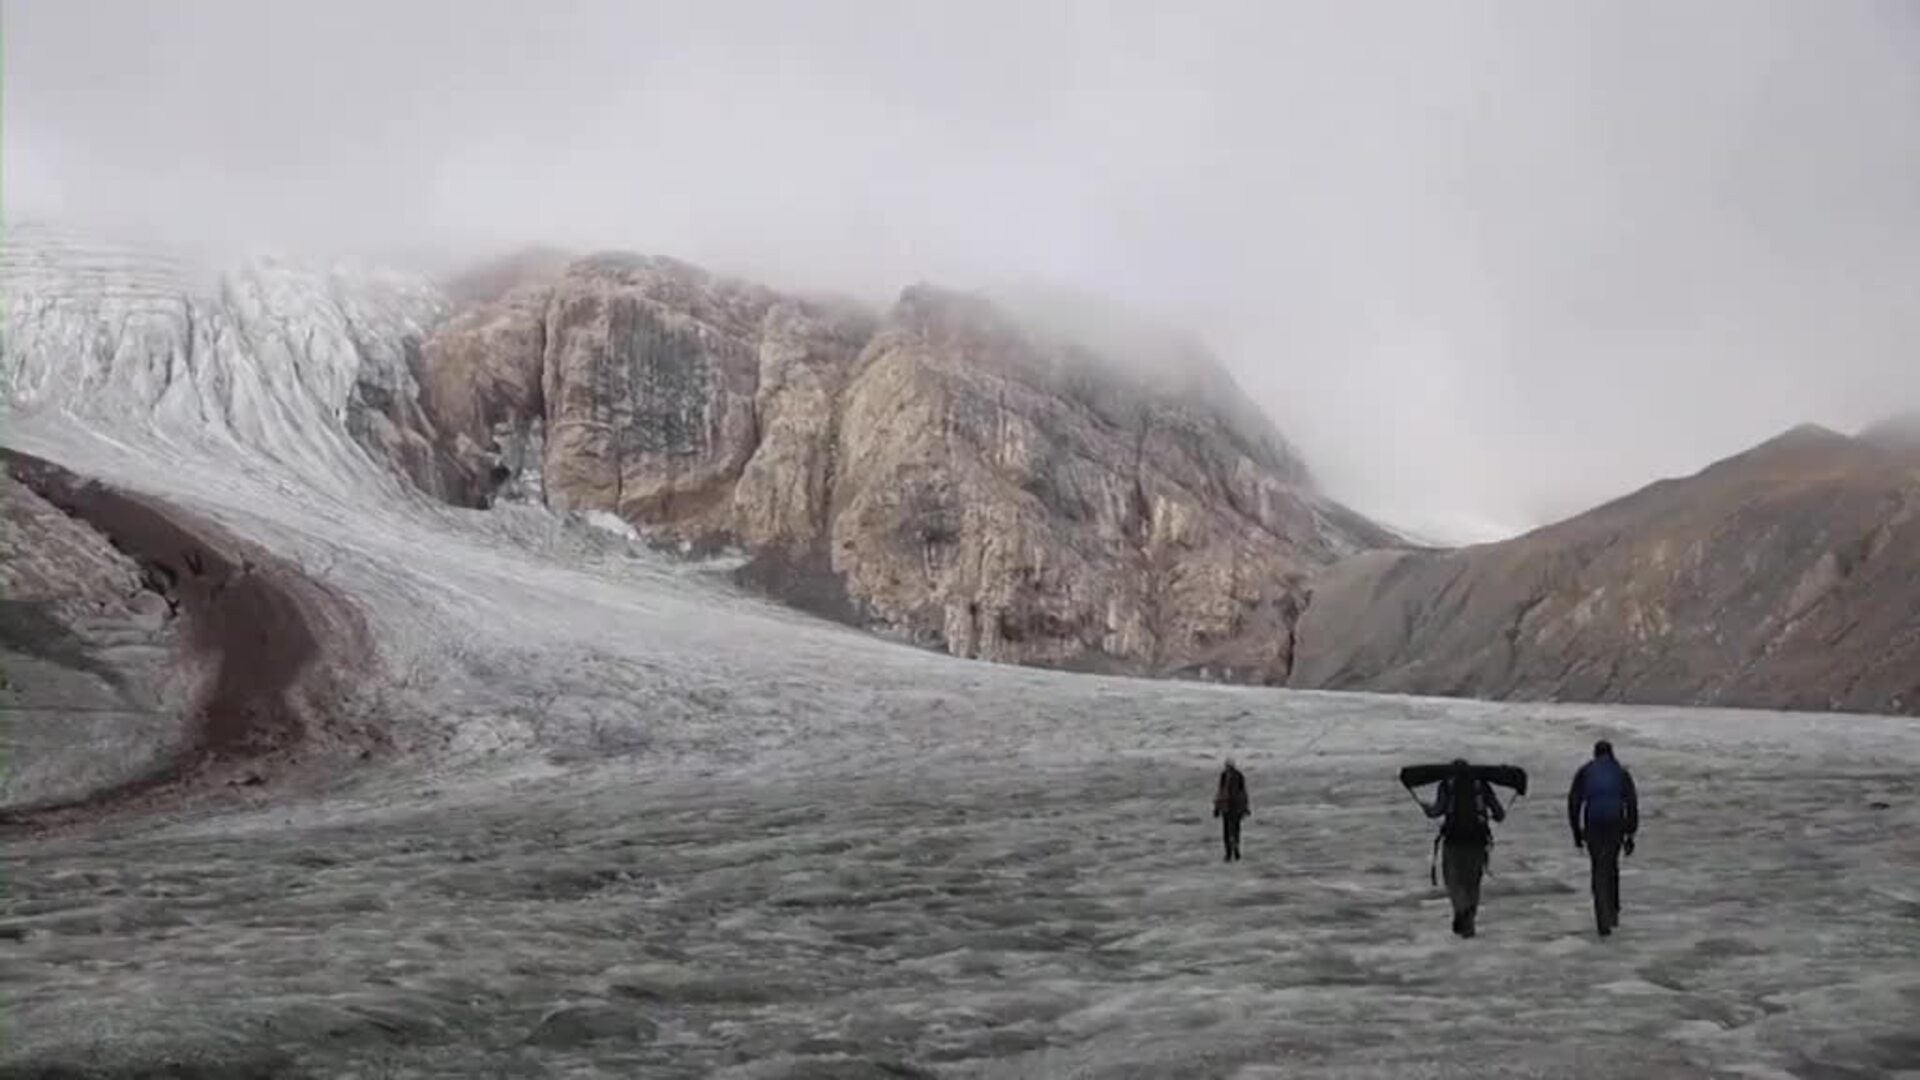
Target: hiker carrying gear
[1467,806]
[1603,810]
[1230,806]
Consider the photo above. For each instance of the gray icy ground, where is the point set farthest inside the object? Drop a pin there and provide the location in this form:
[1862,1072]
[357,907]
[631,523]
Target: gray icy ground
[1023,881]
[666,831]
[646,826]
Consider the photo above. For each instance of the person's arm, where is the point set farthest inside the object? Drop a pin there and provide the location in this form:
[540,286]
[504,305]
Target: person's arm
[1494,809]
[1439,806]
[1630,808]
[1574,802]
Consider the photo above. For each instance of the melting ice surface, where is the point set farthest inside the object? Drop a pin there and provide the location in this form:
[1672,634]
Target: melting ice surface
[647,826]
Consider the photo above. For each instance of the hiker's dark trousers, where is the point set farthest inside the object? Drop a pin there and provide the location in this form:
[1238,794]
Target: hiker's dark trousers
[1461,868]
[1603,851]
[1230,834]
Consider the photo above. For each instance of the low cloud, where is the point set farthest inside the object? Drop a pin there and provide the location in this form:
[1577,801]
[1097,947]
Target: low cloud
[1486,263]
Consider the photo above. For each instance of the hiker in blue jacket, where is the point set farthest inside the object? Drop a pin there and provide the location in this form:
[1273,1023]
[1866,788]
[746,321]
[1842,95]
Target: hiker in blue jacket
[1604,811]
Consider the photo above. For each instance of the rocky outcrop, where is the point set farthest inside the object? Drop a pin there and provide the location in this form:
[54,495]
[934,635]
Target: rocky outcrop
[645,387]
[949,472]
[1785,577]
[1009,496]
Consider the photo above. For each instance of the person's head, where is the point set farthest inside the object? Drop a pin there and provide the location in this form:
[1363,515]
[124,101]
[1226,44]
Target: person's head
[1603,748]
[1230,764]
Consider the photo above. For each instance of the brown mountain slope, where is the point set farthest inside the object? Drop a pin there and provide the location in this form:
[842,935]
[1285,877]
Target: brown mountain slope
[1784,577]
[948,472]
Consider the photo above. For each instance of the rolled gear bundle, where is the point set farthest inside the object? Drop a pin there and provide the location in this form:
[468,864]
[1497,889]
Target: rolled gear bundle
[1512,777]
[1507,776]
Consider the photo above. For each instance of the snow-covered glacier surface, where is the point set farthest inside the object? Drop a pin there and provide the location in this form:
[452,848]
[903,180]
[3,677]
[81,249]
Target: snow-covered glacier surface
[261,365]
[647,826]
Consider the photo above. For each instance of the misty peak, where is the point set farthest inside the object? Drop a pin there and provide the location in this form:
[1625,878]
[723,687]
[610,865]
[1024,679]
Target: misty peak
[490,280]
[1803,437]
[1899,432]
[633,264]
[1096,350]
[937,311]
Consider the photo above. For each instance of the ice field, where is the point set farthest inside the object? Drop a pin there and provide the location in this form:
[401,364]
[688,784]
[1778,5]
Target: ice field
[638,823]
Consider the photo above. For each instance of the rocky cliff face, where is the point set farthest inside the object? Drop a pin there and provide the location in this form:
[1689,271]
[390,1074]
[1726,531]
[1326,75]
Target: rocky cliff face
[944,472]
[645,387]
[1011,497]
[1784,577]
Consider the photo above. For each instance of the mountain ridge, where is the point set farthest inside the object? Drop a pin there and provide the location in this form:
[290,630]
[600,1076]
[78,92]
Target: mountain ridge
[1783,576]
[963,476]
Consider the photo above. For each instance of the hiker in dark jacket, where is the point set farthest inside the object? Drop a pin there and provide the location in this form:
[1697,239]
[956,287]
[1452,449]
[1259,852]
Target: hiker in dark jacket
[1604,811]
[1230,806]
[1466,804]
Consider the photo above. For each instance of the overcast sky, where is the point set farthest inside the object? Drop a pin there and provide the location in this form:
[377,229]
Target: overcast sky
[1487,263]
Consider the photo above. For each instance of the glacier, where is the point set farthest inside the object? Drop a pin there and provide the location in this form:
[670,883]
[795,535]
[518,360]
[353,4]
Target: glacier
[637,822]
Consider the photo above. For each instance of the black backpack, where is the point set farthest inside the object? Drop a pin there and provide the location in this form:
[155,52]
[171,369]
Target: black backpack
[1232,794]
[1465,821]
